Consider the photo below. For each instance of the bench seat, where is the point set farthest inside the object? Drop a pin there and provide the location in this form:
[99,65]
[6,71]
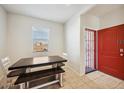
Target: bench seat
[17,72]
[60,64]
[38,74]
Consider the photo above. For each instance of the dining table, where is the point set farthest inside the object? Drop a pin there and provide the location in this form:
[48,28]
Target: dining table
[34,62]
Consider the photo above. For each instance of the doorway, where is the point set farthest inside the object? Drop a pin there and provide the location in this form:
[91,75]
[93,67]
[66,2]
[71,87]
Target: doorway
[90,50]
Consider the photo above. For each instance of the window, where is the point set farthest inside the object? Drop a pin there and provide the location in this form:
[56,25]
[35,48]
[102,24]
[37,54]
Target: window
[40,38]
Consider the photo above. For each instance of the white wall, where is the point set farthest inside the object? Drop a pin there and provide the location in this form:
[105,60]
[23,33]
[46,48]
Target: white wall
[113,18]
[91,22]
[3,38]
[20,36]
[3,33]
[73,40]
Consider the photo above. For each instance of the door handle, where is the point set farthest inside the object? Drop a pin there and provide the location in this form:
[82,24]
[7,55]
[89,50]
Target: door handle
[121,54]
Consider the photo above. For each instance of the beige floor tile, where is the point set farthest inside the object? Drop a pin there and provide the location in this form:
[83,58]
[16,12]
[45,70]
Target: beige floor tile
[101,73]
[75,83]
[93,75]
[92,80]
[112,78]
[93,85]
[66,87]
[106,82]
[82,86]
[121,85]
[85,79]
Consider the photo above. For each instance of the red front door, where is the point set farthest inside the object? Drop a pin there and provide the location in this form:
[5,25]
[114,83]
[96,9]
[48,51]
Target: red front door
[111,51]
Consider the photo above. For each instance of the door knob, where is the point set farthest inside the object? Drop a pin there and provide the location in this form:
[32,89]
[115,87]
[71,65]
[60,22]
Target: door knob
[121,54]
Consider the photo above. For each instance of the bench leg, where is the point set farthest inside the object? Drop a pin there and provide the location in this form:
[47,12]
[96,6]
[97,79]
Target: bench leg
[60,80]
[22,86]
[57,76]
[46,84]
[28,70]
[55,66]
[27,85]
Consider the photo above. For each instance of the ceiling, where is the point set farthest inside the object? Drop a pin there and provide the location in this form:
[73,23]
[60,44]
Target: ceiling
[102,9]
[58,12]
[53,12]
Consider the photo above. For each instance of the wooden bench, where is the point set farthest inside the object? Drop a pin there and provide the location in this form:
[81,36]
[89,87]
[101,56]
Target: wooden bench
[24,79]
[17,72]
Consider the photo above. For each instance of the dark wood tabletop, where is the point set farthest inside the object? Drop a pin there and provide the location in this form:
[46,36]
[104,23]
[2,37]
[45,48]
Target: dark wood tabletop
[37,61]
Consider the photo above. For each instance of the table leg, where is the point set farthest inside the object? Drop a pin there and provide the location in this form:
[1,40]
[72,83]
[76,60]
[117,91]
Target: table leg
[27,83]
[28,70]
[22,86]
[60,79]
[55,66]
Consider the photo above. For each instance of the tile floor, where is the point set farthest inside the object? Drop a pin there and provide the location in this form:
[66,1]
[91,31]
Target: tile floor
[93,80]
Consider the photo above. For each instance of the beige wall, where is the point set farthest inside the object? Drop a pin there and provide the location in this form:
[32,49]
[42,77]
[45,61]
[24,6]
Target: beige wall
[3,33]
[20,36]
[112,18]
